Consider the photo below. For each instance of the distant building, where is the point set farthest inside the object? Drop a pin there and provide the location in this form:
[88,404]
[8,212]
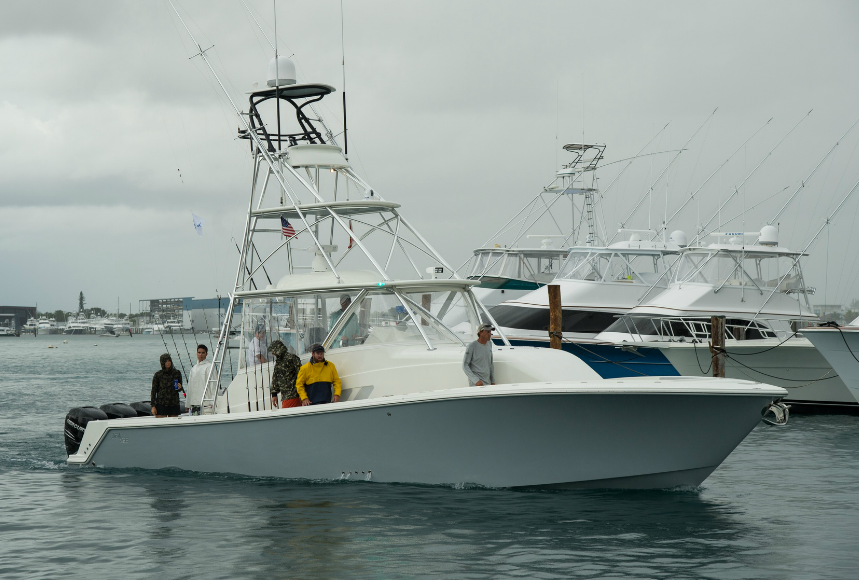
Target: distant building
[206,314]
[17,315]
[162,309]
[829,311]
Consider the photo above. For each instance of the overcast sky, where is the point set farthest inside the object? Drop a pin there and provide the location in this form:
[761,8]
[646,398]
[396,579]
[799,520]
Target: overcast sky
[112,137]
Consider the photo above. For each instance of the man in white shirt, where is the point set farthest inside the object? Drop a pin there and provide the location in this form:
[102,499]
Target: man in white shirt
[257,347]
[197,380]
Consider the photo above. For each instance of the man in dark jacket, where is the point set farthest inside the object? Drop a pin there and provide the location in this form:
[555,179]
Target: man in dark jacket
[283,378]
[166,384]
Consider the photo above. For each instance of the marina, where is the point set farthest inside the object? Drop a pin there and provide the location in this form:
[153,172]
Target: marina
[532,311]
[722,529]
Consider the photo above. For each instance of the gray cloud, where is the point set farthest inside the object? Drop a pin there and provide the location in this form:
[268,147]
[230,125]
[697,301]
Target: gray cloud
[454,112]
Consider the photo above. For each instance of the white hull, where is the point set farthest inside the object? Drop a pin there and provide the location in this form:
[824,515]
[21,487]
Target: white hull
[586,434]
[493,296]
[840,349]
[795,365]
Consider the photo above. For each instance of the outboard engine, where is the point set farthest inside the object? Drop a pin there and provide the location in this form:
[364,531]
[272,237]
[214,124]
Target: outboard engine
[75,425]
[118,411]
[143,408]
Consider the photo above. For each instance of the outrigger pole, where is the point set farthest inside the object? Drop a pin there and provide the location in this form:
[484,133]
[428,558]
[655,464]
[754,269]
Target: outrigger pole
[810,175]
[667,167]
[706,181]
[698,235]
[827,223]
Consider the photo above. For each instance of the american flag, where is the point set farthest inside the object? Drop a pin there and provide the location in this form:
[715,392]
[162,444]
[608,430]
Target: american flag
[286,228]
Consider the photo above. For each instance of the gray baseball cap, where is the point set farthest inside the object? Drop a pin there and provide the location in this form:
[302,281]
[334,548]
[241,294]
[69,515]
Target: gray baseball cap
[485,326]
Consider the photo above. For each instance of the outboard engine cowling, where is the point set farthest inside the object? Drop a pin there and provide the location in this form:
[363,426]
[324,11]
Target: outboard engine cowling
[143,408]
[118,411]
[75,425]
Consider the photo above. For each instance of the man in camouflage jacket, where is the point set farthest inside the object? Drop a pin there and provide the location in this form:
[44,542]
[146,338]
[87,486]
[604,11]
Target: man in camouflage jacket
[283,378]
[166,384]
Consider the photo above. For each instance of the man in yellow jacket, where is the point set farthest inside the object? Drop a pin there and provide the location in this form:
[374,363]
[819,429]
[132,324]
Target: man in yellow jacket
[316,379]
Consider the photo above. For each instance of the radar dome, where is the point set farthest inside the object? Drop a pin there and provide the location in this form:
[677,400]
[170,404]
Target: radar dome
[281,71]
[769,236]
[678,237]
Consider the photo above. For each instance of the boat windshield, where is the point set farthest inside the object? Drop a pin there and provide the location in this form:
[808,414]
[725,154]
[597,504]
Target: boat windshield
[382,318]
[641,268]
[765,271]
[536,267]
[378,317]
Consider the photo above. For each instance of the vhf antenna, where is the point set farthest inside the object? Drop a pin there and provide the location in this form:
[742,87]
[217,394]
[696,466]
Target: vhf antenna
[343,62]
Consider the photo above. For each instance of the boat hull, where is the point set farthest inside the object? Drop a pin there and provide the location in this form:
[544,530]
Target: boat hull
[813,385]
[608,360]
[840,349]
[576,435]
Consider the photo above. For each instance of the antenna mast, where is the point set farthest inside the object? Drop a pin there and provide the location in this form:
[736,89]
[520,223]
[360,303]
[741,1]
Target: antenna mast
[343,62]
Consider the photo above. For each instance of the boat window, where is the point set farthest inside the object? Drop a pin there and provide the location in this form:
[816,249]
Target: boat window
[488,264]
[689,328]
[383,319]
[583,321]
[585,266]
[480,261]
[495,264]
[542,269]
[735,269]
[512,267]
[298,321]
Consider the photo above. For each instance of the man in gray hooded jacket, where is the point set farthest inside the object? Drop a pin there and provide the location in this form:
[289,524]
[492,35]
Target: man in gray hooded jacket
[166,385]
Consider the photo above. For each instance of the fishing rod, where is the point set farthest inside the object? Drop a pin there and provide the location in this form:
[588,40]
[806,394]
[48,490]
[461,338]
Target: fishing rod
[664,171]
[248,270]
[706,181]
[826,223]
[718,211]
[810,175]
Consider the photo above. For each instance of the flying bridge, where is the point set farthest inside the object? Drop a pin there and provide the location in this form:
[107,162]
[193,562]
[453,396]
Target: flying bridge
[341,208]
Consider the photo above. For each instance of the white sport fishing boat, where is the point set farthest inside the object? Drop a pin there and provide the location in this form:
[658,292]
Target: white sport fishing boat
[597,282]
[760,289]
[407,413]
[507,269]
[597,285]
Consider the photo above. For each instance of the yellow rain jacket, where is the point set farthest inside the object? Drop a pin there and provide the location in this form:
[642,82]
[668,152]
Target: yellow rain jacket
[321,372]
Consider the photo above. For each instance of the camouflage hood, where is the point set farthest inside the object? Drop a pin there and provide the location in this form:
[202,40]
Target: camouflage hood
[278,349]
[164,358]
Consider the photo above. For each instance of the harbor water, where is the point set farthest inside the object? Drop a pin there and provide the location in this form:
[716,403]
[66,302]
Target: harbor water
[785,504]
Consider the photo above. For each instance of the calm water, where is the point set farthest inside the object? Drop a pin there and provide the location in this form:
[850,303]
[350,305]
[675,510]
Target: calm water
[784,504]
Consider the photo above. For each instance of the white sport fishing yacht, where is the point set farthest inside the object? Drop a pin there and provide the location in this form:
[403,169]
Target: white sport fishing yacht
[507,270]
[597,285]
[759,288]
[407,413]
[77,325]
[47,326]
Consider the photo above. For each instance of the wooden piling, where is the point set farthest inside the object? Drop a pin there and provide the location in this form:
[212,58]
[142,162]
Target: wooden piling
[555,316]
[717,345]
